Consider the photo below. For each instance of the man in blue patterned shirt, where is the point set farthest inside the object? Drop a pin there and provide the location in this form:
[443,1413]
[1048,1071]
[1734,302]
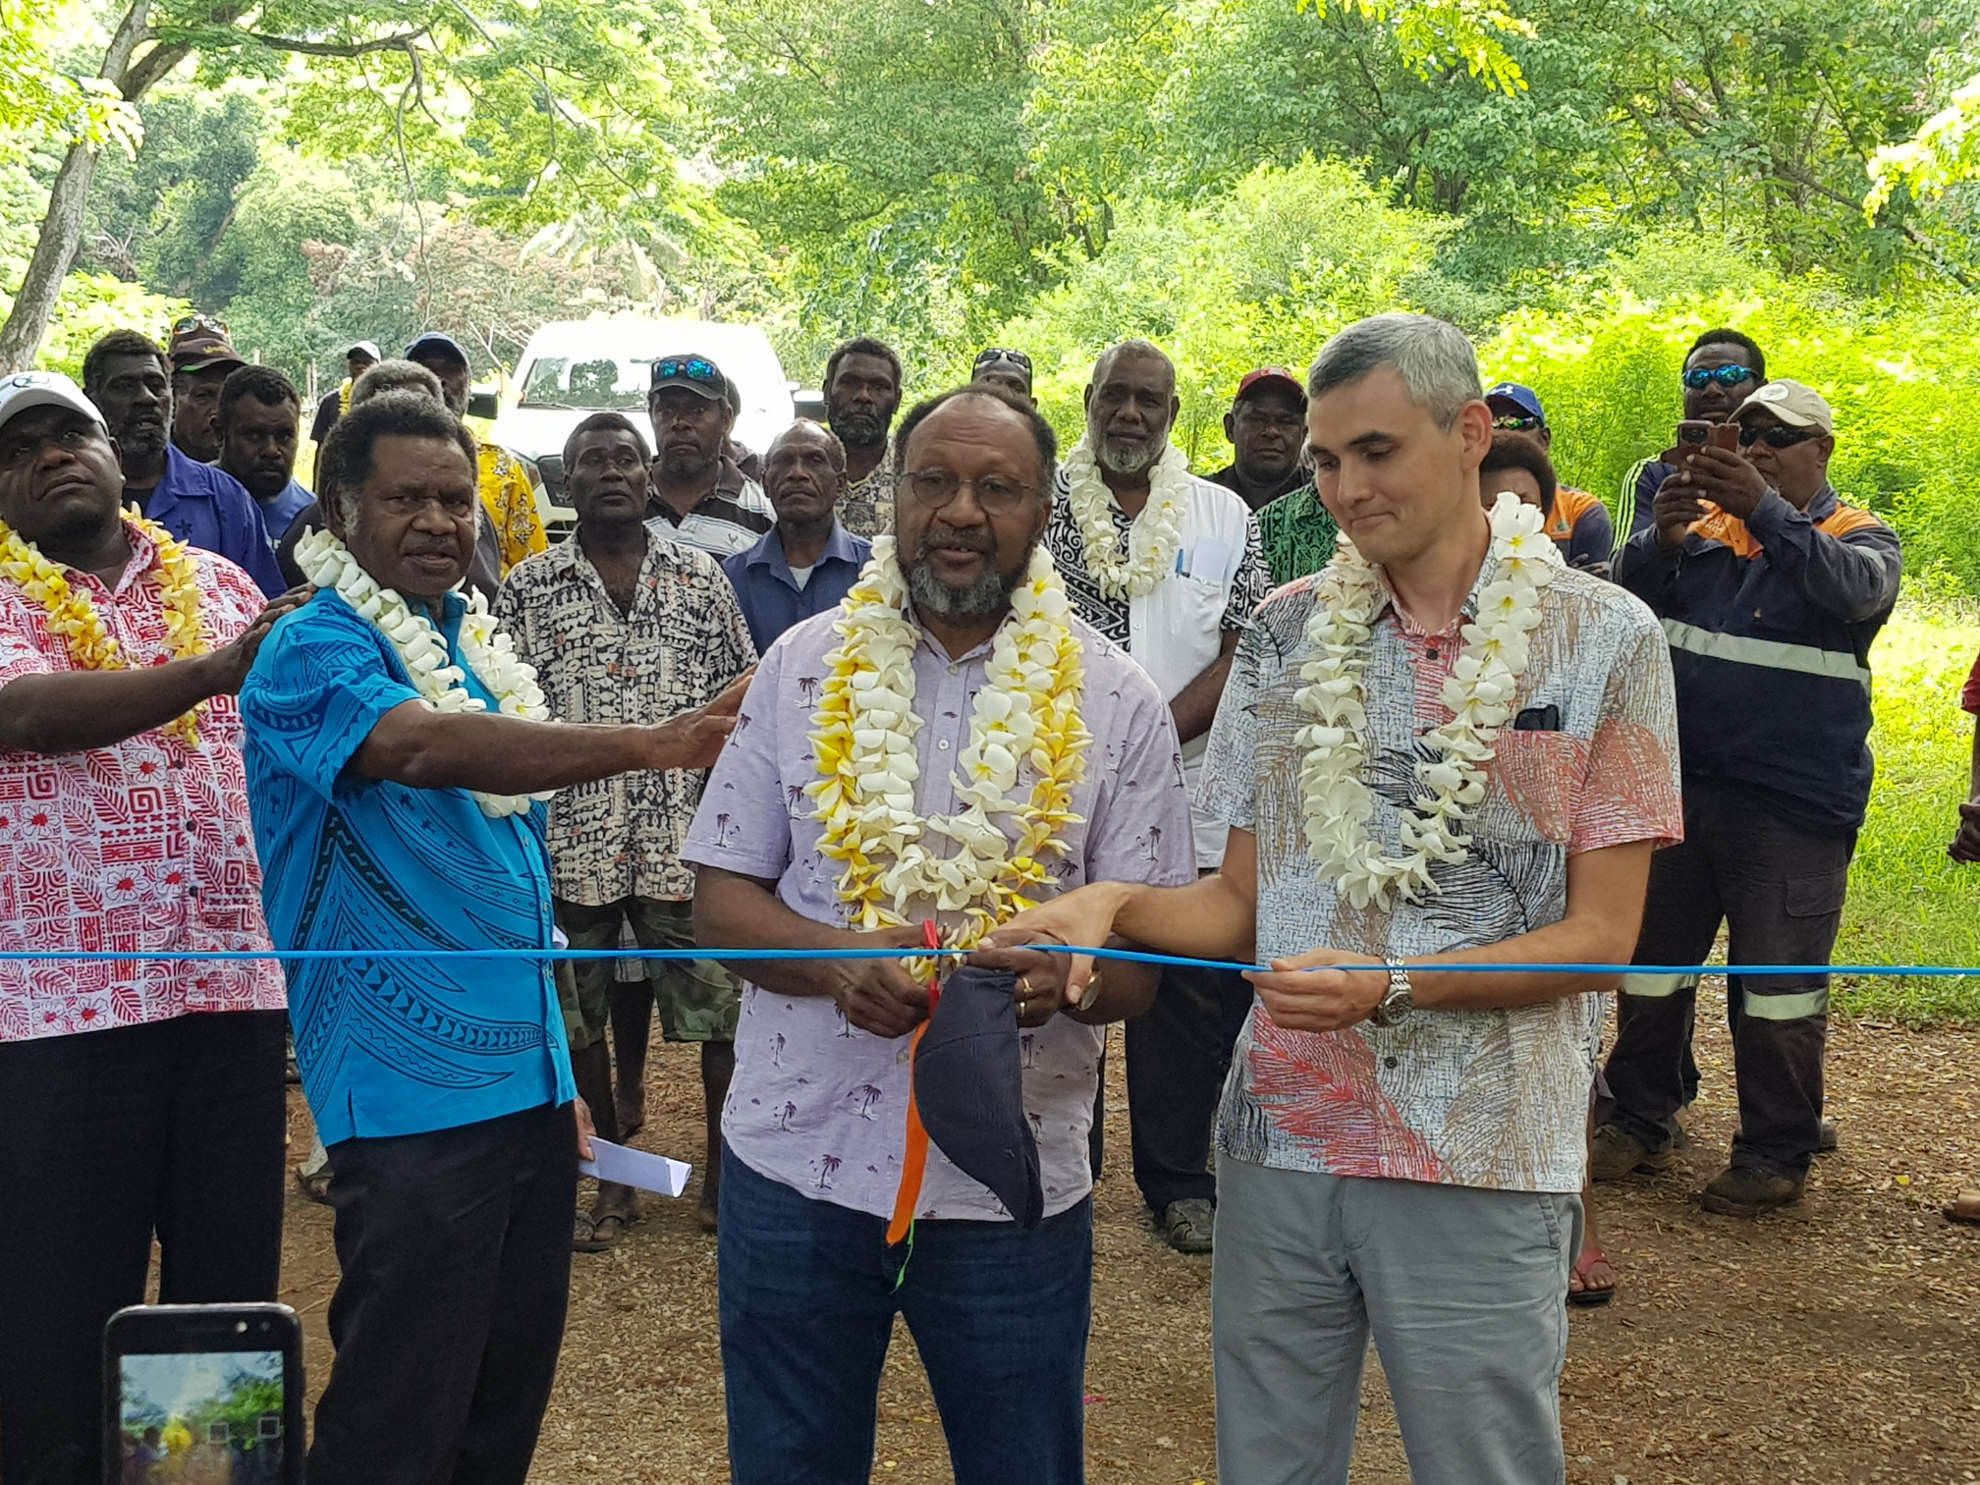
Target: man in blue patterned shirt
[441,1086]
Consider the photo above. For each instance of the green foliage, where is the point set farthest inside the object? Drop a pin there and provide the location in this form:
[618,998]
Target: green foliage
[1908,902]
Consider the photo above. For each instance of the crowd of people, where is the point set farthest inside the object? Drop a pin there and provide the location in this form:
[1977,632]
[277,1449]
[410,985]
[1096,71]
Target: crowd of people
[1377,705]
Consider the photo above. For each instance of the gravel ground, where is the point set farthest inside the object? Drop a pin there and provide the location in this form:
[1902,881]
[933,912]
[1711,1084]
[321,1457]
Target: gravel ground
[1831,1344]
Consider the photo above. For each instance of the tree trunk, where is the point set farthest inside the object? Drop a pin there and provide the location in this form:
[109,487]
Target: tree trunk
[61,233]
[61,228]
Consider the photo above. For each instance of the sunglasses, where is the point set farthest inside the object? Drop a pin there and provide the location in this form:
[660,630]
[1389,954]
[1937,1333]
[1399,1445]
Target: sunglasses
[1725,376]
[992,356]
[1776,437]
[693,368]
[186,324]
[1517,425]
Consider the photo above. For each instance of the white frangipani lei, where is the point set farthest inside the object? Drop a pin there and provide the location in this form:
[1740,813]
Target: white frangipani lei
[486,650]
[1150,553]
[1335,802]
[864,739]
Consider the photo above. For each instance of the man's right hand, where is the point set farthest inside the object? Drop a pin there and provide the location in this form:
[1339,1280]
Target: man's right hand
[880,995]
[1676,509]
[694,739]
[1965,847]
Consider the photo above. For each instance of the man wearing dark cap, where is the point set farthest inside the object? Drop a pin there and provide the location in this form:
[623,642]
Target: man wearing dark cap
[1266,426]
[359,358]
[201,357]
[126,376]
[1010,370]
[1577,522]
[508,481]
[699,495]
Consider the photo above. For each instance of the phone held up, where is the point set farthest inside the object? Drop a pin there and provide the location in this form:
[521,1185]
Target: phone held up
[203,1392]
[1694,434]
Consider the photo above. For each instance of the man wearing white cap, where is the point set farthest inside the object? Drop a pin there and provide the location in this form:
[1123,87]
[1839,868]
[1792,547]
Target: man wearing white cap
[358,359]
[1771,591]
[139,1097]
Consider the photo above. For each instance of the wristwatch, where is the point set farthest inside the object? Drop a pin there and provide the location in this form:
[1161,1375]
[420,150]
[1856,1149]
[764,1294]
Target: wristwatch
[1398,1002]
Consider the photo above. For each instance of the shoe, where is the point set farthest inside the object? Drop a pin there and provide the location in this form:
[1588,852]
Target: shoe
[1615,1153]
[1743,1191]
[1189,1224]
[1827,1141]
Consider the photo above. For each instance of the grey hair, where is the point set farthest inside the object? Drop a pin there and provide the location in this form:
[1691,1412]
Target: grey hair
[395,376]
[1433,358]
[1136,349]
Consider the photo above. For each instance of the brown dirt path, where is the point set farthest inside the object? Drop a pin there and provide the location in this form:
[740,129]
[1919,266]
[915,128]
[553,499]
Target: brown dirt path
[1834,1344]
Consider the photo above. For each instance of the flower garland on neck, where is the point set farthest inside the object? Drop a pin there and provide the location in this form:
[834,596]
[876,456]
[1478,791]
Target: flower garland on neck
[72,615]
[1130,569]
[1336,805]
[485,650]
[863,738]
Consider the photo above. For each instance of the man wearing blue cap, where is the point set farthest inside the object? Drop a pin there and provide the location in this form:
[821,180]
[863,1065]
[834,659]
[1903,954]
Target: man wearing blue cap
[1578,523]
[508,481]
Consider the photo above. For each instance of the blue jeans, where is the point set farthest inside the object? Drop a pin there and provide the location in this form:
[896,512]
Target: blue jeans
[808,1301]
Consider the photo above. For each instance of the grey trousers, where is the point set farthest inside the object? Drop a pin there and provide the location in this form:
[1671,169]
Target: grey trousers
[1463,1290]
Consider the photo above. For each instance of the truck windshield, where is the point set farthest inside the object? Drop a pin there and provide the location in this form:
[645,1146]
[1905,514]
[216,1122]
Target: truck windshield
[599,382]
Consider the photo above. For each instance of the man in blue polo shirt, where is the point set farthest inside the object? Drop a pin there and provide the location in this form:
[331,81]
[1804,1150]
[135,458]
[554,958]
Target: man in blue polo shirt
[806,562]
[391,780]
[124,374]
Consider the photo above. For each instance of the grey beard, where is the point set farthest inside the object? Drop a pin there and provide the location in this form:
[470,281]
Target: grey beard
[1130,459]
[987,595]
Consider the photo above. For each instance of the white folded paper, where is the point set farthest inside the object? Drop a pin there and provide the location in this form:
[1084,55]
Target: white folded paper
[636,1168]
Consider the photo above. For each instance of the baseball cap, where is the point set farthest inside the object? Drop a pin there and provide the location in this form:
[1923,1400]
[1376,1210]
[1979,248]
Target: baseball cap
[199,343]
[433,342]
[1797,405]
[27,390]
[1521,397]
[1269,376]
[968,1073]
[369,347]
[695,372]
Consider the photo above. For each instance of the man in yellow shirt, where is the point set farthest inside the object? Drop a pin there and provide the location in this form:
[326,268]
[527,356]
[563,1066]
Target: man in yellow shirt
[508,481]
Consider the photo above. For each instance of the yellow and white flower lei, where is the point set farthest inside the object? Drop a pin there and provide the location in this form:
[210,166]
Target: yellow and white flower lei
[1336,804]
[1150,552]
[485,649]
[72,615]
[863,739]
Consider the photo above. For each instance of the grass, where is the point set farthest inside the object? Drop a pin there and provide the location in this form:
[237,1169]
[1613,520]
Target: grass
[1908,902]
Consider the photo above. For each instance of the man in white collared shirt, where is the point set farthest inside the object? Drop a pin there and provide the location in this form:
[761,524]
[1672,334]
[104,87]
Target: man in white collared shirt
[1168,566]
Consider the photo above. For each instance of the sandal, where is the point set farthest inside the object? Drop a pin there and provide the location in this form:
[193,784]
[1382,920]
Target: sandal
[314,1184]
[1588,1296]
[1964,1207]
[600,1234]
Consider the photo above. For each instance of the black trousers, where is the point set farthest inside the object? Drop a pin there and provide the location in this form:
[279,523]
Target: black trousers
[1779,889]
[455,1248]
[107,1138]
[1177,1055]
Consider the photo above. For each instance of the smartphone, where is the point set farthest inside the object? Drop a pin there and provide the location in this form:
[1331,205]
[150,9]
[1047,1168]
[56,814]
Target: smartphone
[203,1392]
[1724,436]
[1692,434]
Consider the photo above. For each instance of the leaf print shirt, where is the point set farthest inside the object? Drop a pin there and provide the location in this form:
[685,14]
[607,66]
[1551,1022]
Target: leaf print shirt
[1490,1098]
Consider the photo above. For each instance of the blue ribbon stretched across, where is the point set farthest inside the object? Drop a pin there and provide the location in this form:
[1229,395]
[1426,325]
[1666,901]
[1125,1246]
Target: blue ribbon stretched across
[1130,956]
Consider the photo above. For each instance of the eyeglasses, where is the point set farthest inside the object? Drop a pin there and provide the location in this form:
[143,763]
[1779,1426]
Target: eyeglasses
[1776,437]
[187,324]
[992,356]
[693,368]
[1517,425]
[935,488]
[1725,376]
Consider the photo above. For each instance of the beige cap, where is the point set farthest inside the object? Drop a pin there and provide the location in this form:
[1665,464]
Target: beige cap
[1793,403]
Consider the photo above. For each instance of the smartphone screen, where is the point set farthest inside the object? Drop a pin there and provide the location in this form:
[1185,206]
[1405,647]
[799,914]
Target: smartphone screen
[204,1395]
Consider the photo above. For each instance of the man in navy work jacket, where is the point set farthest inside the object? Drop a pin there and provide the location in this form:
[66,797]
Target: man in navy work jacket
[1771,591]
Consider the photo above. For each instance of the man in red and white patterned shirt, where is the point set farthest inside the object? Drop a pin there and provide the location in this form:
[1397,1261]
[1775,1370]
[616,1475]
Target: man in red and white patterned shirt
[138,1097]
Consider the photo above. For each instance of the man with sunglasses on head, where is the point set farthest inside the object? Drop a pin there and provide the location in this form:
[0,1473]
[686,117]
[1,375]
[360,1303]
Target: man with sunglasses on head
[695,491]
[1771,591]
[1577,522]
[1720,370]
[202,358]
[1010,370]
